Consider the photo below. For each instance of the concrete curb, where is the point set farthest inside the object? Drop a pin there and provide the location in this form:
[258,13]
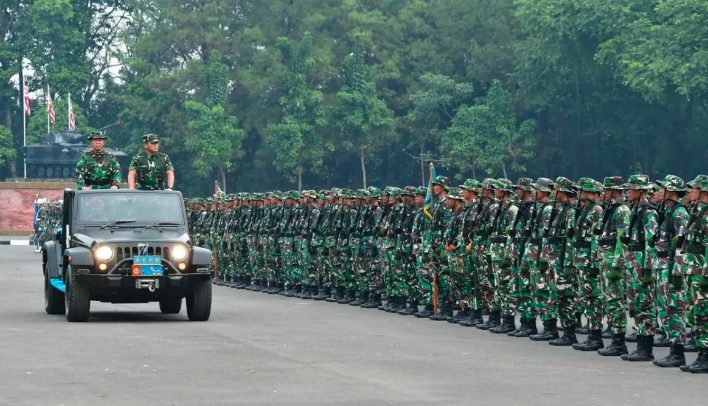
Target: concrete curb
[15,242]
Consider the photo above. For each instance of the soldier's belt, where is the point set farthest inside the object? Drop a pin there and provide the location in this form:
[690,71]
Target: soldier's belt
[636,246]
[555,240]
[582,244]
[696,248]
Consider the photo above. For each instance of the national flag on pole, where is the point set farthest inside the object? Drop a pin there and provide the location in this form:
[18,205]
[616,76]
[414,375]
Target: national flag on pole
[430,197]
[26,97]
[50,108]
[72,119]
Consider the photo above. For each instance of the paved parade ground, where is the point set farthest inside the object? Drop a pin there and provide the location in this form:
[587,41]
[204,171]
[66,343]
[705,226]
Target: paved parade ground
[260,349]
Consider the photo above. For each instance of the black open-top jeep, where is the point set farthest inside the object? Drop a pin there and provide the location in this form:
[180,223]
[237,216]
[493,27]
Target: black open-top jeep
[125,246]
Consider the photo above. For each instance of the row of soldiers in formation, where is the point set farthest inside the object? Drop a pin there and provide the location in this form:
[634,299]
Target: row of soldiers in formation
[554,250]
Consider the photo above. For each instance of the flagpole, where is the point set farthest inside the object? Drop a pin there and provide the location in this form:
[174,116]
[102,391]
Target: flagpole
[68,111]
[24,123]
[46,100]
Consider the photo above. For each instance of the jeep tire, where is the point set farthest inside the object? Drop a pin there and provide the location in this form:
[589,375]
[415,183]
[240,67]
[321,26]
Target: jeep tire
[170,306]
[53,298]
[199,302]
[77,298]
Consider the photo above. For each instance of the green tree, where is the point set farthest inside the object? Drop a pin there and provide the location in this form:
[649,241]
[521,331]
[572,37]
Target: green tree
[360,117]
[7,151]
[295,140]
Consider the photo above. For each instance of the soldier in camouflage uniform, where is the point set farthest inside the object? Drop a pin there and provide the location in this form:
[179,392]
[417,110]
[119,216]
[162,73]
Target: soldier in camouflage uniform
[670,295]
[557,253]
[641,259]
[436,265]
[97,169]
[586,262]
[692,261]
[455,247]
[482,261]
[500,249]
[289,269]
[411,200]
[151,169]
[317,245]
[519,233]
[470,296]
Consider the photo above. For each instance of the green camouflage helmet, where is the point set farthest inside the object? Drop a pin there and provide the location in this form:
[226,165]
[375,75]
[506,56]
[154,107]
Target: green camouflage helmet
[373,191]
[443,181]
[309,193]
[360,193]
[422,190]
[346,194]
[456,194]
[672,183]
[408,191]
[543,185]
[697,181]
[278,194]
[488,183]
[504,184]
[470,184]
[639,182]
[563,184]
[524,184]
[97,135]
[613,183]
[589,185]
[394,192]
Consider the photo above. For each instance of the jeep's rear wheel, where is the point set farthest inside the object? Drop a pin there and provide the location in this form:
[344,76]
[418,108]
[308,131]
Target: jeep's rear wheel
[170,306]
[199,302]
[53,298]
[77,298]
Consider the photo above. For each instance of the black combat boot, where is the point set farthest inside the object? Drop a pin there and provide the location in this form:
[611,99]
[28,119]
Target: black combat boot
[444,312]
[690,345]
[323,292]
[336,293]
[425,313]
[400,305]
[362,297]
[676,358]
[349,297]
[474,319]
[607,333]
[388,304]
[493,321]
[373,302]
[529,330]
[288,291]
[461,315]
[412,308]
[507,325]
[394,300]
[632,338]
[550,331]
[644,352]
[569,338]
[660,340]
[583,329]
[701,364]
[522,325]
[307,292]
[593,343]
[616,348]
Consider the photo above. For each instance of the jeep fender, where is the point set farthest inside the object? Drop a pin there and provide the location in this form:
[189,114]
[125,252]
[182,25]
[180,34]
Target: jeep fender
[201,256]
[79,256]
[52,259]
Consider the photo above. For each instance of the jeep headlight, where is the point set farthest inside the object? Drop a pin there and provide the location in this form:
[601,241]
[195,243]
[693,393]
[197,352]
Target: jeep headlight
[104,253]
[179,253]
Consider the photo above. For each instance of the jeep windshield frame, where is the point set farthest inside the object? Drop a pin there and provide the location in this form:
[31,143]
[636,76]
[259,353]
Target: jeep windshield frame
[128,208]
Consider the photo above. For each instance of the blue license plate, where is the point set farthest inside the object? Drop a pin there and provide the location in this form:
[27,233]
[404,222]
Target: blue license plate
[150,265]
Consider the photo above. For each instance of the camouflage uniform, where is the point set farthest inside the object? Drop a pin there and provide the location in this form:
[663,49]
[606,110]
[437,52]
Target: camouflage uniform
[97,169]
[150,170]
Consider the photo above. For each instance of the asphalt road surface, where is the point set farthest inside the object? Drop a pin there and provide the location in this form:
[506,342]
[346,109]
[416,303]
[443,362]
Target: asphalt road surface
[260,349]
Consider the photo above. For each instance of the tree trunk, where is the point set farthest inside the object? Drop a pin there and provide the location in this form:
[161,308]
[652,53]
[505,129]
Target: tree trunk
[474,170]
[299,178]
[422,164]
[504,170]
[363,166]
[223,178]
[12,163]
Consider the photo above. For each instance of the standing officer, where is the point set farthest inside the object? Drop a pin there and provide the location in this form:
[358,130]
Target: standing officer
[97,169]
[150,168]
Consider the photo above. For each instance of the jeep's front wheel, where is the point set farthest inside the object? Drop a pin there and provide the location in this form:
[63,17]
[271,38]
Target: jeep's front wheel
[170,306]
[77,298]
[53,298]
[199,302]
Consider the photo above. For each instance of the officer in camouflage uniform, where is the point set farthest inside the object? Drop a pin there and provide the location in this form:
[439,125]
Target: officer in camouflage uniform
[423,286]
[289,269]
[412,202]
[586,262]
[692,261]
[317,245]
[436,265]
[151,169]
[670,295]
[455,247]
[97,169]
[481,232]
[641,259]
